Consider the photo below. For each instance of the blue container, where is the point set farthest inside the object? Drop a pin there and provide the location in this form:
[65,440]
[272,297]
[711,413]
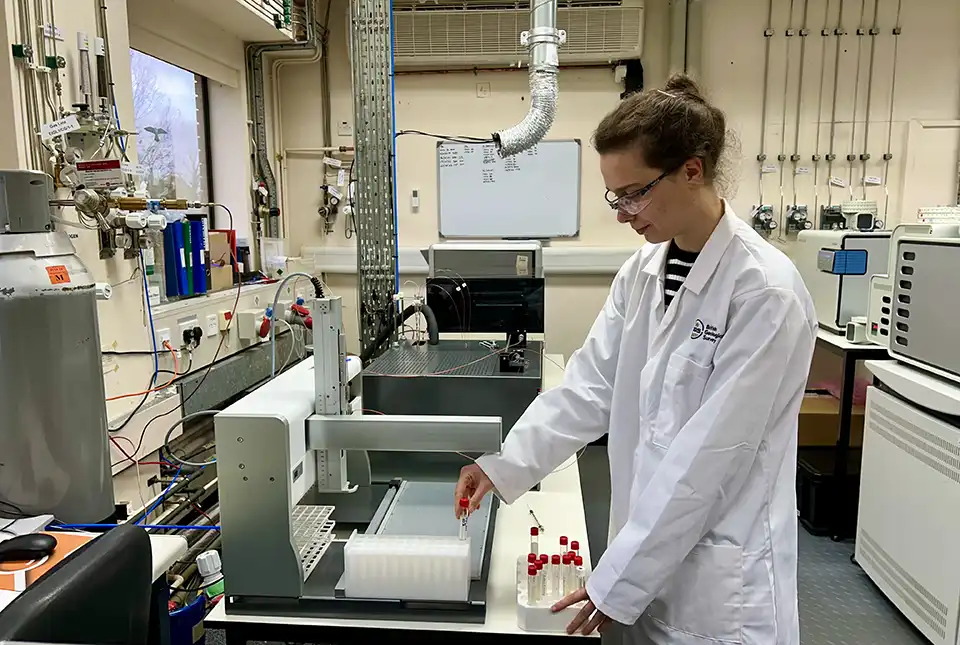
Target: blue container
[186,625]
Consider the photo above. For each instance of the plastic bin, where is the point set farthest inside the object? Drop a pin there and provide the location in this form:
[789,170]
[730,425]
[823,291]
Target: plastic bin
[186,624]
[817,491]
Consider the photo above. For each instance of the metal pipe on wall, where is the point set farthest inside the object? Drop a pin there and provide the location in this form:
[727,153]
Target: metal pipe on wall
[816,158]
[865,155]
[694,38]
[678,36]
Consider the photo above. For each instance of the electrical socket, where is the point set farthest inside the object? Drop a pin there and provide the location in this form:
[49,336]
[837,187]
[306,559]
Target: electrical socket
[186,326]
[163,336]
[212,326]
[344,129]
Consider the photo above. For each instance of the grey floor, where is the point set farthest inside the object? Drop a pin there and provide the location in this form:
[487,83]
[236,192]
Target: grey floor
[838,603]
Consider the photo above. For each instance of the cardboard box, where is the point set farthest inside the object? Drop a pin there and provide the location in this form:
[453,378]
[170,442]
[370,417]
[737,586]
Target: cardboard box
[221,271]
[819,423]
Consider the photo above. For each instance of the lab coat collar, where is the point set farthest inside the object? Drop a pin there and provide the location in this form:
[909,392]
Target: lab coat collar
[709,257]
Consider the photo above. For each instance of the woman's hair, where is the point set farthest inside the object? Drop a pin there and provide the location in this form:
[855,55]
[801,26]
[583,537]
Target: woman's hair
[667,126]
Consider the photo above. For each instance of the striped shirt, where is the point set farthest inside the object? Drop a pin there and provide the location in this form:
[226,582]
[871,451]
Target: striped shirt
[679,263]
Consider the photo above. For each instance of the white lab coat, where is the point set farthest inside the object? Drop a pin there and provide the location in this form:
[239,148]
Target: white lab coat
[700,402]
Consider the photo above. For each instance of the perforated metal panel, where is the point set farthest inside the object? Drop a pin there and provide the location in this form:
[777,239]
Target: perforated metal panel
[432,363]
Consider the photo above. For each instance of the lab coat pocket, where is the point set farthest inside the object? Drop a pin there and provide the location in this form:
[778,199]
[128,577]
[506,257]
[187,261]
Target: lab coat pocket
[683,385]
[704,598]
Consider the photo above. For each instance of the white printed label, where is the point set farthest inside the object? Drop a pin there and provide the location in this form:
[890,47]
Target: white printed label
[203,258]
[334,192]
[183,258]
[523,265]
[836,181]
[100,174]
[352,191]
[802,170]
[59,127]
[333,163]
[872,180]
[134,169]
[149,256]
[768,169]
[341,177]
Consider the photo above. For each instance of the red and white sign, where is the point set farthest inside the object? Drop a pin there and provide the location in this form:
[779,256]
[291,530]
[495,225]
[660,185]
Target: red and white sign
[105,173]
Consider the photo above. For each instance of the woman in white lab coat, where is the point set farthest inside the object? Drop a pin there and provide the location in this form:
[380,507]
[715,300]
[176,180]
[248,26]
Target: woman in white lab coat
[695,369]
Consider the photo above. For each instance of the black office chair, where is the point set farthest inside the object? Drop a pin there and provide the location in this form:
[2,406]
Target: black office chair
[99,594]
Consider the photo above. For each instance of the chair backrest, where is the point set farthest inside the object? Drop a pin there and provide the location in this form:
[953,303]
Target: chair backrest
[98,594]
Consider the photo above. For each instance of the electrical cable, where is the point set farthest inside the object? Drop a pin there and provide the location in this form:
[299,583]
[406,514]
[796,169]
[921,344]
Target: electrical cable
[161,497]
[185,527]
[6,527]
[173,354]
[179,422]
[216,355]
[293,345]
[446,137]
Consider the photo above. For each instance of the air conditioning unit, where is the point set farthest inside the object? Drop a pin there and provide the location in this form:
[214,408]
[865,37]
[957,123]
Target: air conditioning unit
[451,34]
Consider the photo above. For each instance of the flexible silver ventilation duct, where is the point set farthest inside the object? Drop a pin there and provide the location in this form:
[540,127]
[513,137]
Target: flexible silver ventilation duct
[543,39]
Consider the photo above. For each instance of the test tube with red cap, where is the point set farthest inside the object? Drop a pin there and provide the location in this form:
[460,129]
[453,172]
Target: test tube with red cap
[580,574]
[565,584]
[464,508]
[533,585]
[555,574]
[563,544]
[541,579]
[575,547]
[534,540]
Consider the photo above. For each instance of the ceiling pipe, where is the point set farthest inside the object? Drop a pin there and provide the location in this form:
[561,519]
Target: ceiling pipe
[678,37]
[543,41]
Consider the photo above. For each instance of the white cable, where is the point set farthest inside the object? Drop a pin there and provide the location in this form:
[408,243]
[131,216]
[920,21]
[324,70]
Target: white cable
[293,344]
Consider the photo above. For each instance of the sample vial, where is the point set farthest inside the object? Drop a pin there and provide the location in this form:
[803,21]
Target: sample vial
[464,508]
[575,547]
[534,540]
[563,544]
[555,576]
[541,579]
[522,563]
[580,574]
[533,585]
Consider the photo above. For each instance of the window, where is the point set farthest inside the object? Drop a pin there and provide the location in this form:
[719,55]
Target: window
[169,116]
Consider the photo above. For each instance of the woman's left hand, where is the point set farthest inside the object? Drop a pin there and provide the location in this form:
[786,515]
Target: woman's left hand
[588,619]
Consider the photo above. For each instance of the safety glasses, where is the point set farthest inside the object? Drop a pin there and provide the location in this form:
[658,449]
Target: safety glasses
[631,202]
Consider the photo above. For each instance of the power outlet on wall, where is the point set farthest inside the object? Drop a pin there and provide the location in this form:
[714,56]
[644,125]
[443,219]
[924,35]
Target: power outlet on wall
[344,128]
[483,90]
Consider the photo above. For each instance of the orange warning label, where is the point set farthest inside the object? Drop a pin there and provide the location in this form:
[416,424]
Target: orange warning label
[58,274]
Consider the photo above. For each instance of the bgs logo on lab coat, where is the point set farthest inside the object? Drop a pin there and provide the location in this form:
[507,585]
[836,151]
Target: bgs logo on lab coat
[707,332]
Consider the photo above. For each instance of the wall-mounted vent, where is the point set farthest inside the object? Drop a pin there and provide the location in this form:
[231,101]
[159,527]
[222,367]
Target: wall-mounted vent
[438,36]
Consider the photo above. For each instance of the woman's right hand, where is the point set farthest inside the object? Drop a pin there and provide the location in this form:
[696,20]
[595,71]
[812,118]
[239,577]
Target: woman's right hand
[474,485]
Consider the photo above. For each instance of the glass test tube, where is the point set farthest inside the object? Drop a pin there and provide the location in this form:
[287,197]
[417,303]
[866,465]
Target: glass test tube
[534,540]
[464,507]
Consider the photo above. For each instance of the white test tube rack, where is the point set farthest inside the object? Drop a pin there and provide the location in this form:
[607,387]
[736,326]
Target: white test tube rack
[536,615]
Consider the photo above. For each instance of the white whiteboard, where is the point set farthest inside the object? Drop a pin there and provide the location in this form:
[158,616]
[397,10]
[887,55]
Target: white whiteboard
[535,194]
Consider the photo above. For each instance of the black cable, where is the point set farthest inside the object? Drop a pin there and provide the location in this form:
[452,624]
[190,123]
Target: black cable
[145,352]
[7,526]
[16,509]
[216,356]
[445,137]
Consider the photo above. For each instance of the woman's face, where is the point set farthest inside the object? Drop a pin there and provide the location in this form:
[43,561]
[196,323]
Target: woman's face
[662,211]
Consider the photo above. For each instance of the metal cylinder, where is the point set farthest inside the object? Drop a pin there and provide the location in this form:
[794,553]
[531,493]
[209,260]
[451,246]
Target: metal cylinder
[54,456]
[25,201]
